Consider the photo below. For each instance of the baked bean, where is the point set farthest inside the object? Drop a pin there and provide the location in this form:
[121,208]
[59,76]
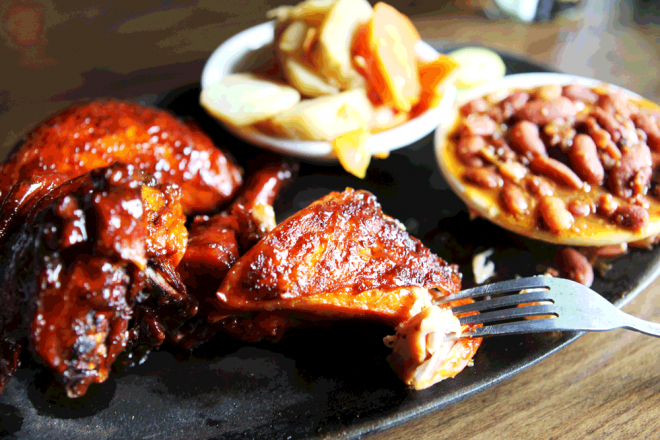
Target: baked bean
[615,102]
[513,171]
[526,140]
[478,105]
[640,184]
[518,99]
[514,102]
[514,199]
[577,92]
[555,215]
[607,205]
[469,148]
[602,138]
[557,171]
[579,208]
[608,122]
[480,125]
[631,217]
[640,200]
[632,174]
[543,112]
[630,134]
[574,266]
[611,251]
[538,186]
[483,177]
[650,127]
[549,92]
[584,159]
[560,134]
[496,114]
[504,152]
[606,160]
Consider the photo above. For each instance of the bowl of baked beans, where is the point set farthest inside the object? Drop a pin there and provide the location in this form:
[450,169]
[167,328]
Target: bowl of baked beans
[556,157]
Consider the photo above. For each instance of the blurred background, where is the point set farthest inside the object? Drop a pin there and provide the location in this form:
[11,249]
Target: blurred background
[57,52]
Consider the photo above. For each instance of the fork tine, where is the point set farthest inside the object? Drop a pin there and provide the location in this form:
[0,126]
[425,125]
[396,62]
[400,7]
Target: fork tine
[501,315]
[497,288]
[510,300]
[516,328]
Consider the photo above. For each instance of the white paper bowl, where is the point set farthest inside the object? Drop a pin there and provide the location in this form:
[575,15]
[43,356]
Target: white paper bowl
[243,50]
[482,206]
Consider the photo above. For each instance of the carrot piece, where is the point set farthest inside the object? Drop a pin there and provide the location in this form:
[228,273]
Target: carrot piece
[433,78]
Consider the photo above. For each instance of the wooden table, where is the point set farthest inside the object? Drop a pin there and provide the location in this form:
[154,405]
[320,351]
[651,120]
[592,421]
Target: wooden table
[602,386]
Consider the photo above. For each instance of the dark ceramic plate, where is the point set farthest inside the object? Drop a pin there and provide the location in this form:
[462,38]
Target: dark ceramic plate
[329,382]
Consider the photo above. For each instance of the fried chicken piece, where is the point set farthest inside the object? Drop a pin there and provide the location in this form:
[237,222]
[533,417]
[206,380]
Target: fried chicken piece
[97,134]
[253,209]
[75,261]
[426,348]
[215,243]
[342,258]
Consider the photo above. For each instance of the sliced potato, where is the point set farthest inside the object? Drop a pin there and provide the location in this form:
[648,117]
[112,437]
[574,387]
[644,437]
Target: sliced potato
[312,11]
[305,80]
[292,37]
[476,66]
[325,118]
[243,98]
[336,38]
[352,151]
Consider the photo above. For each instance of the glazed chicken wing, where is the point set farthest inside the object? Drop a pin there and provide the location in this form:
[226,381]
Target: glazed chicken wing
[215,243]
[341,257]
[94,135]
[74,262]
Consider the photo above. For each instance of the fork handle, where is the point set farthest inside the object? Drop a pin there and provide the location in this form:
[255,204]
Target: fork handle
[646,327]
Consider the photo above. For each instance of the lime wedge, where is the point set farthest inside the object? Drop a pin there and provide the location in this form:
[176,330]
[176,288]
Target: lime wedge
[476,66]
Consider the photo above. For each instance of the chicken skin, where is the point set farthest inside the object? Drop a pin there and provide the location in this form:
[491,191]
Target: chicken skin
[94,135]
[342,258]
[76,259]
[216,242]
[339,256]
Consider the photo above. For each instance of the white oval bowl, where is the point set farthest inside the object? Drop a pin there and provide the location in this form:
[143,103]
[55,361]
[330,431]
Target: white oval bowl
[481,205]
[234,56]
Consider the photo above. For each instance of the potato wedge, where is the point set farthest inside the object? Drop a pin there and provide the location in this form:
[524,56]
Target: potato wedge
[335,41]
[391,38]
[292,37]
[311,11]
[243,98]
[326,117]
[305,80]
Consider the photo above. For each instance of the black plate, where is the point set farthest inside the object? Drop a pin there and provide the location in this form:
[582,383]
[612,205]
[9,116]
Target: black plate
[329,382]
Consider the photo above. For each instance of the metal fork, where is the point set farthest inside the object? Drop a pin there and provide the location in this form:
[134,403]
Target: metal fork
[574,308]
